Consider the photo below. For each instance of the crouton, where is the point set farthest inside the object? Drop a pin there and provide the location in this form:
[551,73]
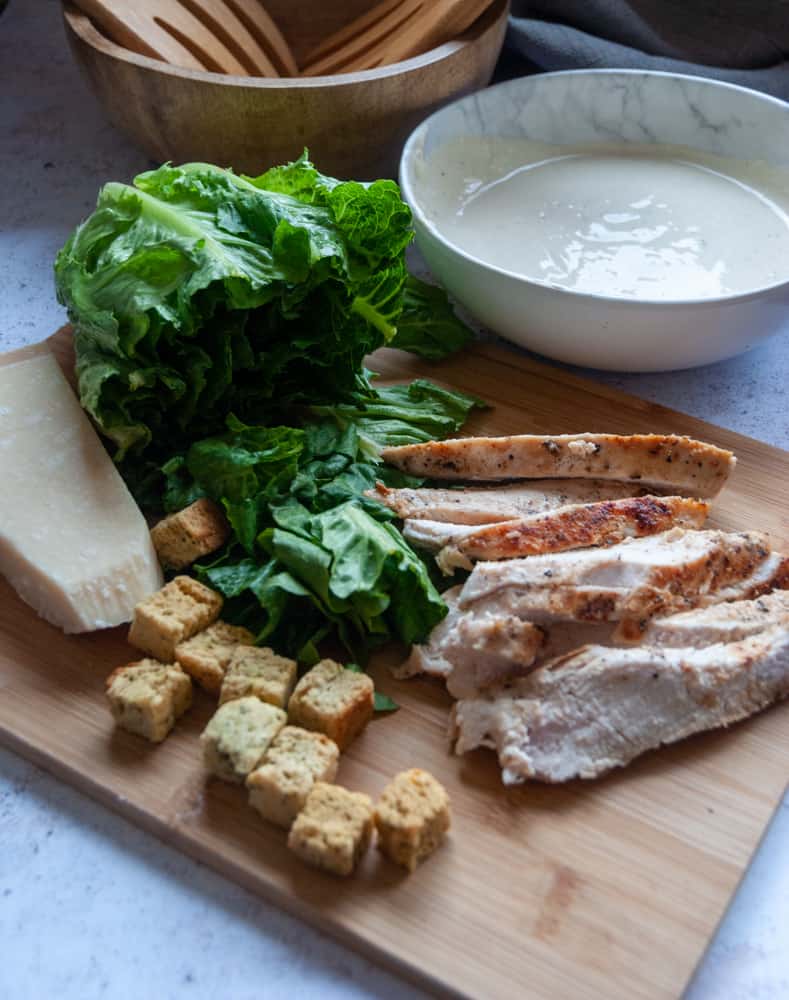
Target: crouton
[147,697]
[412,816]
[173,614]
[206,655]
[190,533]
[259,671]
[296,759]
[334,828]
[237,737]
[333,700]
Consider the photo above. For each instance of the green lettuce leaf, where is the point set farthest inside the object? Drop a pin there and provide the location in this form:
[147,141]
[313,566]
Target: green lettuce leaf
[392,415]
[221,324]
[428,325]
[309,548]
[196,293]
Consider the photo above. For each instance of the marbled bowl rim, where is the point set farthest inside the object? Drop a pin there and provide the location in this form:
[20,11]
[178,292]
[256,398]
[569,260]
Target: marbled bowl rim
[616,301]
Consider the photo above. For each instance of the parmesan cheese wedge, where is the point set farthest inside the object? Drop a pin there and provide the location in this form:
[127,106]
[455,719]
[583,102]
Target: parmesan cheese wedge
[73,543]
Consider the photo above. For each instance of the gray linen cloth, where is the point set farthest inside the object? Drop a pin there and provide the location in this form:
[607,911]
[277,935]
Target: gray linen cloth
[739,41]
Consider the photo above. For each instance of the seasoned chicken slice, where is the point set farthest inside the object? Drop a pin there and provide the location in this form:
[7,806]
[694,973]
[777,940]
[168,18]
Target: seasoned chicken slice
[487,650]
[718,623]
[601,707]
[428,657]
[433,536]
[668,461]
[771,574]
[576,527]
[473,652]
[474,505]
[636,579]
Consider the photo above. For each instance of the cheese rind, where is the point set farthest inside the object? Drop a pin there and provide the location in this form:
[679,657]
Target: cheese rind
[73,542]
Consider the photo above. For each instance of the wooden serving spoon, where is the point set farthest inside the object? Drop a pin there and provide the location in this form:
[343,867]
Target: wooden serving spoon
[262,27]
[224,36]
[436,23]
[392,31]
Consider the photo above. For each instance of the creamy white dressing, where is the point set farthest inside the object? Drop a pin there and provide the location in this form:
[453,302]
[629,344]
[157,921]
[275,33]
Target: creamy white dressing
[645,222]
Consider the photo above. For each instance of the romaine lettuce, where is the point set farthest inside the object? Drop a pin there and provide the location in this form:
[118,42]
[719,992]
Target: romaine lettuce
[221,324]
[196,293]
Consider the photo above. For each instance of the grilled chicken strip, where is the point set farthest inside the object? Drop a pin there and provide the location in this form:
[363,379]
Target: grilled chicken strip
[601,707]
[474,652]
[433,536]
[485,651]
[476,505]
[771,574]
[666,461]
[718,623]
[576,527]
[428,658]
[634,580]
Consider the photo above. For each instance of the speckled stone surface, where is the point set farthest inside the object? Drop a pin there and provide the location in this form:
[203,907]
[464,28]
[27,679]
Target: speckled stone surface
[89,905]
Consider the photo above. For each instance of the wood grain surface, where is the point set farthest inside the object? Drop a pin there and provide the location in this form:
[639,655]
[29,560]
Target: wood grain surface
[602,889]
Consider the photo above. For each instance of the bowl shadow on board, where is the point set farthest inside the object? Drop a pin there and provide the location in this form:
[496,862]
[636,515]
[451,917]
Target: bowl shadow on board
[633,380]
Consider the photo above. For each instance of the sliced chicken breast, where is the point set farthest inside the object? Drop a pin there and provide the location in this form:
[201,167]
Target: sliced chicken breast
[433,536]
[474,652]
[473,505]
[636,579]
[667,461]
[485,651]
[575,527]
[601,707]
[428,657]
[771,574]
[719,623]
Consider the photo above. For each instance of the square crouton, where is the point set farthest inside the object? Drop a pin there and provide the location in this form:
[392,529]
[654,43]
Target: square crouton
[206,655]
[147,697]
[259,671]
[334,828]
[238,735]
[173,614]
[412,816]
[333,700]
[296,759]
[190,533]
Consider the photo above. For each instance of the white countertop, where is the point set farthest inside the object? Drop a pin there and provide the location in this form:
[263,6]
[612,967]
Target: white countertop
[89,905]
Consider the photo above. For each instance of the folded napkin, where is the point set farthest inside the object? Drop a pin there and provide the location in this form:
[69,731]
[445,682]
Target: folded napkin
[738,41]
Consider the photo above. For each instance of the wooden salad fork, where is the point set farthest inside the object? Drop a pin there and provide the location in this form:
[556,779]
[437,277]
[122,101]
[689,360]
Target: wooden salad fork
[224,36]
[391,31]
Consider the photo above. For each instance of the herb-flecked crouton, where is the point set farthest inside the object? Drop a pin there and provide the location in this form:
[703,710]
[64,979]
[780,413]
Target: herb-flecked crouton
[185,536]
[206,655]
[257,670]
[334,828]
[173,614]
[412,816]
[333,700]
[147,697]
[238,735]
[296,759]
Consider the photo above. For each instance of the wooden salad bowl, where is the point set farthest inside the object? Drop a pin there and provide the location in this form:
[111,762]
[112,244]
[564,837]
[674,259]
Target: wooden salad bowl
[354,124]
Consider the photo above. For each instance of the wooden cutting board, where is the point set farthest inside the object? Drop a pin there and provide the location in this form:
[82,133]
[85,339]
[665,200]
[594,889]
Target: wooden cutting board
[601,889]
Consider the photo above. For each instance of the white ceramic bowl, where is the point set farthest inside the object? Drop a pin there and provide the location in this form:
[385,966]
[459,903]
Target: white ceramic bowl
[600,106]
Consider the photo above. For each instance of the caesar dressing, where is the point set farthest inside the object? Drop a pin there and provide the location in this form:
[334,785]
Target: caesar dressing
[643,222]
